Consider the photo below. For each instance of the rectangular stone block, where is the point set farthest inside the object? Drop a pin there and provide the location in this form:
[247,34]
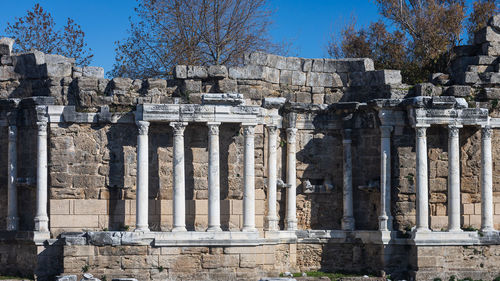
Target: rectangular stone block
[74,221]
[139,262]
[90,207]
[497,209]
[477,208]
[60,207]
[218,261]
[106,262]
[241,250]
[78,250]
[468,209]
[293,63]
[237,207]
[75,264]
[298,78]
[439,222]
[286,77]
[486,34]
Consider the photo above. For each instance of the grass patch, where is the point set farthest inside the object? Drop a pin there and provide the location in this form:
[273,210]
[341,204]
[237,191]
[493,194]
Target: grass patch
[331,275]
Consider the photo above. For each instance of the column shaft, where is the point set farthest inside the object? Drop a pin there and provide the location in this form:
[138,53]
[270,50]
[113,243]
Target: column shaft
[213,178]
[291,177]
[486,181]
[348,215]
[385,218]
[12,217]
[453,178]
[41,218]
[142,177]
[422,189]
[272,217]
[249,180]
[179,179]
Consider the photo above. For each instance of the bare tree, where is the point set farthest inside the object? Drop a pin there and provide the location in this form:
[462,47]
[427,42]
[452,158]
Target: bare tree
[37,30]
[170,32]
[482,10]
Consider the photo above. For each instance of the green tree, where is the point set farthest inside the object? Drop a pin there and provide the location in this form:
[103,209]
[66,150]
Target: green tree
[38,30]
[170,32]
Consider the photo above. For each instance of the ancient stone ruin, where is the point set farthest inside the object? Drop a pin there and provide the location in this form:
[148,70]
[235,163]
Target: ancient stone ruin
[236,173]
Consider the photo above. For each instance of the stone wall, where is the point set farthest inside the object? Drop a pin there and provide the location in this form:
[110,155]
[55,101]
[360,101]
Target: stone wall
[179,263]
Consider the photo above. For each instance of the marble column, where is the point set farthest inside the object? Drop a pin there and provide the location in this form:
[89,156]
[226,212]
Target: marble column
[385,218]
[422,188]
[348,213]
[249,180]
[213,178]
[486,180]
[41,218]
[291,177]
[142,177]
[453,178]
[272,217]
[179,180]
[12,217]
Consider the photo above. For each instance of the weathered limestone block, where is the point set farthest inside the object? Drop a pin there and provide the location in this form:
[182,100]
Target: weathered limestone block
[490,49]
[93,72]
[494,22]
[180,72]
[8,73]
[492,93]
[6,46]
[121,84]
[426,89]
[317,65]
[275,61]
[104,238]
[217,71]
[486,34]
[257,58]
[6,60]
[227,85]
[293,63]
[286,77]
[299,78]
[218,261]
[323,80]
[30,65]
[197,72]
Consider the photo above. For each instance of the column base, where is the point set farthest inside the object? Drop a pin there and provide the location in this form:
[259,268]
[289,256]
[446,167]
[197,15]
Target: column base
[385,223]
[455,230]
[42,223]
[488,229]
[39,237]
[12,223]
[271,224]
[249,229]
[214,228]
[291,225]
[141,228]
[348,223]
[179,229]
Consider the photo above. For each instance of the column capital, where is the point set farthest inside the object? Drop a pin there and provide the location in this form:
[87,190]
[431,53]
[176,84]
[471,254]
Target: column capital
[486,132]
[271,128]
[421,131]
[386,131]
[42,127]
[143,127]
[213,128]
[291,134]
[248,129]
[454,130]
[178,127]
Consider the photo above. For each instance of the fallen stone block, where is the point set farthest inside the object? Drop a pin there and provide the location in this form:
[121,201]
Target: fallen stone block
[492,93]
[66,278]
[217,71]
[8,73]
[197,72]
[494,22]
[6,46]
[180,72]
[458,91]
[104,238]
[93,71]
[486,34]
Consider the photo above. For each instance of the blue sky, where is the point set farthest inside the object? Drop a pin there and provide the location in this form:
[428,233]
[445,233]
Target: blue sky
[306,23]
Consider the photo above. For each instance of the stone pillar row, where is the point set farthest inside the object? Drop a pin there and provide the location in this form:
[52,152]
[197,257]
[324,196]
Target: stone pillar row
[453,180]
[179,207]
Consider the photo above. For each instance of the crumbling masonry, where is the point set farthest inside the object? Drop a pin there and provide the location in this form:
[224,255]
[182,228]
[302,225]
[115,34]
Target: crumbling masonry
[283,164]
